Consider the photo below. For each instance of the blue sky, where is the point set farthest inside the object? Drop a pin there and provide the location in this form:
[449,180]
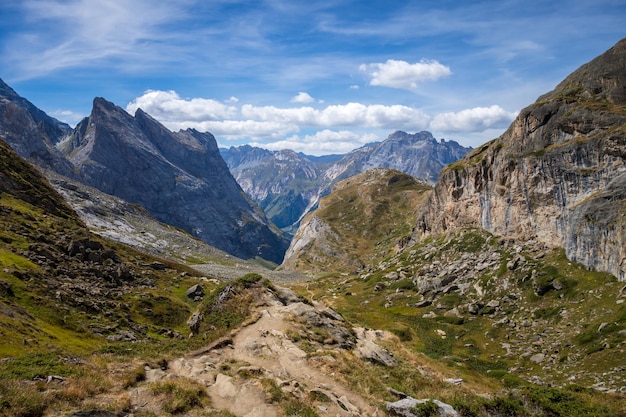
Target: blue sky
[320,76]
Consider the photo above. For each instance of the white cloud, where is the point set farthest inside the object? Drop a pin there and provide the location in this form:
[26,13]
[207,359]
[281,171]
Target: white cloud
[302,97]
[335,128]
[350,114]
[67,116]
[237,129]
[276,124]
[321,143]
[477,119]
[232,99]
[401,74]
[168,106]
[75,33]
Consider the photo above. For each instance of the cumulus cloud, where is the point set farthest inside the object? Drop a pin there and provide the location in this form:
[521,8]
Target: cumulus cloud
[302,97]
[350,114]
[168,106]
[237,129]
[323,142]
[403,75]
[477,119]
[334,128]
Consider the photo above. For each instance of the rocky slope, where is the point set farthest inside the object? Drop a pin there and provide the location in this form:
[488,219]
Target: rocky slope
[62,287]
[365,218]
[289,185]
[131,224]
[179,178]
[558,174]
[285,184]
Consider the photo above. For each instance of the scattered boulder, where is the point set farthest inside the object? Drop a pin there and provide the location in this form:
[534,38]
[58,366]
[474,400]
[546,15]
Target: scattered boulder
[5,288]
[286,296]
[327,320]
[423,303]
[195,292]
[367,349]
[538,358]
[122,336]
[406,406]
[194,322]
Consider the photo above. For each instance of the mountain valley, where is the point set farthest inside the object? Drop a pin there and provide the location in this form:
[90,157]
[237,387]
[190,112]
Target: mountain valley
[137,278]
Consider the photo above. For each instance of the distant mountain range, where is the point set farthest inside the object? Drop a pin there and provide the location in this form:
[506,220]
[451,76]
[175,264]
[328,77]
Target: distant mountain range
[287,185]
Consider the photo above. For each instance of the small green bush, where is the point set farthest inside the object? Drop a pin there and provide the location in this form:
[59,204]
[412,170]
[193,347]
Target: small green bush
[427,409]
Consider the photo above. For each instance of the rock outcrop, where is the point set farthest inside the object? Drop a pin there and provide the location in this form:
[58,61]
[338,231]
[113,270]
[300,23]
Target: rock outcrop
[180,178]
[558,174]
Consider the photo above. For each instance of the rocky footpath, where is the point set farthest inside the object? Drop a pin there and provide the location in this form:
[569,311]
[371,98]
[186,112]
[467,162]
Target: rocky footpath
[558,174]
[238,369]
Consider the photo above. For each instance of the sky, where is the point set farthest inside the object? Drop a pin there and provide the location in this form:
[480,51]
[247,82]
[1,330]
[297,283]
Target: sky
[317,76]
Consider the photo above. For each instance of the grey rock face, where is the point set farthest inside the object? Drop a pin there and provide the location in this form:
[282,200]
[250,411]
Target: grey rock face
[558,174]
[32,133]
[180,178]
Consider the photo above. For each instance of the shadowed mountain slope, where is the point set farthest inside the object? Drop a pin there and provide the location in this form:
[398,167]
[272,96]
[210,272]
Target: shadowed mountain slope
[180,178]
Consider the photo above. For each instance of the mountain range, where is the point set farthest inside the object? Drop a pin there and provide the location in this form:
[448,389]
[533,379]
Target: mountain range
[288,185]
[179,177]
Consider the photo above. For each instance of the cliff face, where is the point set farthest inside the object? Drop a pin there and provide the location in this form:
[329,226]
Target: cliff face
[180,178]
[558,174]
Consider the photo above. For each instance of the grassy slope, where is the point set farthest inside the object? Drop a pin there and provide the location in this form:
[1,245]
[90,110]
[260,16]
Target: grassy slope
[370,213]
[561,324]
[58,308]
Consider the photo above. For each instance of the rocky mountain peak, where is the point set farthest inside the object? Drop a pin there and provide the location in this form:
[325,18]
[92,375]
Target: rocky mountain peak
[288,185]
[180,178]
[602,79]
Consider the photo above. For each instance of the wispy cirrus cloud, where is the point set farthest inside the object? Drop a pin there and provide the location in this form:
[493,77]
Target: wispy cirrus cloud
[80,33]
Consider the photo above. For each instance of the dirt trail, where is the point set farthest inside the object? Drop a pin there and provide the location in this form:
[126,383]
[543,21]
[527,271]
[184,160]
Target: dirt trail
[233,370]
